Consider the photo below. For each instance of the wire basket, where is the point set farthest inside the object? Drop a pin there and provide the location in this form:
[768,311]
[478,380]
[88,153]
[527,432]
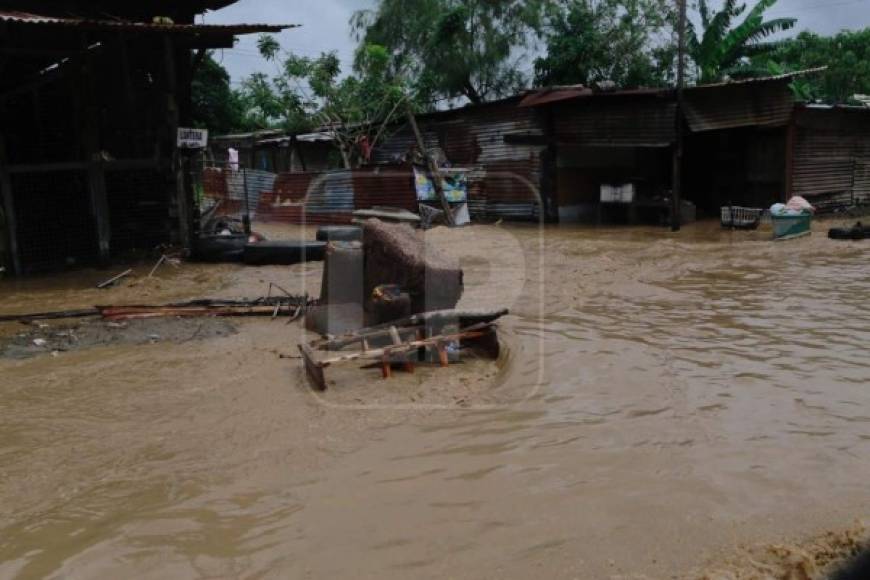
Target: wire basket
[742,218]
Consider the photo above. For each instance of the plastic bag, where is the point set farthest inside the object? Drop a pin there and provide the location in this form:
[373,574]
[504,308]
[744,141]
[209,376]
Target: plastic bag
[799,204]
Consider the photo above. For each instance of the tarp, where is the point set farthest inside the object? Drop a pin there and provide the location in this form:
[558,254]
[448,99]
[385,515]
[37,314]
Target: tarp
[455,186]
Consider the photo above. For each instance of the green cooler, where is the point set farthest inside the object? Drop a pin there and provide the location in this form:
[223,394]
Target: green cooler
[786,227]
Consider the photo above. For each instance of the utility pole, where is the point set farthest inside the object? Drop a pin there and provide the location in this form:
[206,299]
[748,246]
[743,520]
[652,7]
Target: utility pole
[677,189]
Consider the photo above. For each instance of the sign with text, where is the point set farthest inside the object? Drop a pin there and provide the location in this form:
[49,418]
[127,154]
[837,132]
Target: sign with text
[192,138]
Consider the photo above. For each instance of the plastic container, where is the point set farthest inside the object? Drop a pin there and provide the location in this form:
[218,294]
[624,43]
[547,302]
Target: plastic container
[786,227]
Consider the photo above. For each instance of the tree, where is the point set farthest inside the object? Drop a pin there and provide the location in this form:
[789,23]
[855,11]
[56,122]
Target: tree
[356,109]
[451,49]
[726,50]
[627,42]
[215,106]
[847,56]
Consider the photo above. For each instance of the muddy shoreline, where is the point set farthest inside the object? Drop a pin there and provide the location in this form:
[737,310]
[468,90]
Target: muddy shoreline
[669,406]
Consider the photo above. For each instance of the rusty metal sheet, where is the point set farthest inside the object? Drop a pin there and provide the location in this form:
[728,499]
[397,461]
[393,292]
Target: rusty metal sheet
[554,95]
[385,186]
[832,155]
[764,104]
[500,171]
[626,122]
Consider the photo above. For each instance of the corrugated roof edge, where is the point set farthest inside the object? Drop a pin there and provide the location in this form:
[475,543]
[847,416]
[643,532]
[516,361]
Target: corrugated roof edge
[547,95]
[756,80]
[28,19]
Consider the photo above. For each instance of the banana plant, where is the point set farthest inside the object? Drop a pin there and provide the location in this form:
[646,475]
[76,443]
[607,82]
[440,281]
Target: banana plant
[723,48]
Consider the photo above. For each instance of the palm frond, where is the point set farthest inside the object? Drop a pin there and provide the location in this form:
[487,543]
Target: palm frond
[704,10]
[769,27]
[733,43]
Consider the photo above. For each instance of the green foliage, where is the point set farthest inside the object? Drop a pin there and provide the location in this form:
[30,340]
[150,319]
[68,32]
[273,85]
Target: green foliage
[311,92]
[847,56]
[215,106]
[450,49]
[627,42]
[725,49]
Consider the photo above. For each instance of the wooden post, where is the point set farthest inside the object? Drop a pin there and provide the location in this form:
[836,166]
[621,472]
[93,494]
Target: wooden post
[96,170]
[100,207]
[9,210]
[434,170]
[550,170]
[179,191]
[677,185]
[790,140]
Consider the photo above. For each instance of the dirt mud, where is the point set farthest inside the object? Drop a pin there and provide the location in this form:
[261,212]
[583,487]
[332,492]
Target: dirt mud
[52,338]
[688,405]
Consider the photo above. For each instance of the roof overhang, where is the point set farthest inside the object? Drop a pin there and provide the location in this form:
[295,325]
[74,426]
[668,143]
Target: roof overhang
[36,21]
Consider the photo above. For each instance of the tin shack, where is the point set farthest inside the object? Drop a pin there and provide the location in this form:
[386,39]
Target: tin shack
[91,99]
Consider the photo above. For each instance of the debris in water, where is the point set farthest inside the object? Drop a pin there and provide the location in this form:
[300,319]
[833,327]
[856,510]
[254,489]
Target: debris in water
[114,280]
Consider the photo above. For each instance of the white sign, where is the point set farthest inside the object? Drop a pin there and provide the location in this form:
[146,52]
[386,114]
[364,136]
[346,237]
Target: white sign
[192,138]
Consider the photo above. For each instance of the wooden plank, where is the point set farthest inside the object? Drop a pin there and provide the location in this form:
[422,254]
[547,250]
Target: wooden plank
[312,368]
[434,170]
[472,332]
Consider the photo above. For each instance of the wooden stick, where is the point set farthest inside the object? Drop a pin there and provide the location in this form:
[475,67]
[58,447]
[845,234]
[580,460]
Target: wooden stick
[157,265]
[433,168]
[476,331]
[83,313]
[111,281]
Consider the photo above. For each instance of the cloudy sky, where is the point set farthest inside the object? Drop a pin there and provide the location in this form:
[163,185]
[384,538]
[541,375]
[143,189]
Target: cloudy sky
[325,25]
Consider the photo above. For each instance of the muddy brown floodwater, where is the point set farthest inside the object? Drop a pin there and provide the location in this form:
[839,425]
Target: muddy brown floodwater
[667,406]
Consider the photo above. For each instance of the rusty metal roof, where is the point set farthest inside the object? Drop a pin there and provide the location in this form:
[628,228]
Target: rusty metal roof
[759,80]
[555,94]
[744,104]
[538,97]
[29,19]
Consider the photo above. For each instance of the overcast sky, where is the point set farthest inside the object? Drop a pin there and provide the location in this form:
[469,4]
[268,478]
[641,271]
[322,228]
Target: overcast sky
[325,25]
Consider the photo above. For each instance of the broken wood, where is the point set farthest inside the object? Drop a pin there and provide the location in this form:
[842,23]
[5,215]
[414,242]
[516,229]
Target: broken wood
[114,279]
[432,319]
[31,317]
[294,306]
[143,312]
[315,366]
[437,181]
[157,265]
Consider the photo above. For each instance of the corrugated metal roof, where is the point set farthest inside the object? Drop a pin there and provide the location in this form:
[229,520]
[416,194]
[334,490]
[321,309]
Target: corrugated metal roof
[549,95]
[768,104]
[757,80]
[29,19]
[554,95]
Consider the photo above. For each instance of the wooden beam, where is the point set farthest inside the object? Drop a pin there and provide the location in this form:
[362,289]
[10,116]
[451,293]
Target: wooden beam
[434,170]
[790,141]
[100,208]
[57,53]
[178,188]
[9,210]
[96,172]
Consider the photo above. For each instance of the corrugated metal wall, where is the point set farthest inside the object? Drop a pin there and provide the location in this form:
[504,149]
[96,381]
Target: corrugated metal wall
[319,198]
[639,121]
[760,104]
[504,178]
[832,156]
[257,182]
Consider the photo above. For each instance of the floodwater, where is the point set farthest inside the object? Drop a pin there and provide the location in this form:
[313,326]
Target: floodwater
[692,405]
